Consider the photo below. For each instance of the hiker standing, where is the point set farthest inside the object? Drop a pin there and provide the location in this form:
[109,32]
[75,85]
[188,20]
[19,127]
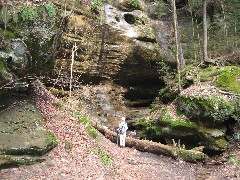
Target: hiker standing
[122,131]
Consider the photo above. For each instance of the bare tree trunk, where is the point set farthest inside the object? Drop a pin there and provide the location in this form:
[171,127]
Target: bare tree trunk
[177,44]
[205,31]
[74,49]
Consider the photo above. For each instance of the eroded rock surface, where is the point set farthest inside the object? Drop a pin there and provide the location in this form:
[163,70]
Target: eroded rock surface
[21,135]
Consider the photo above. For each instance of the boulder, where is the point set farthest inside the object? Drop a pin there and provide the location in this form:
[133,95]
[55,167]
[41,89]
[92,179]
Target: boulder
[21,135]
[205,104]
[169,125]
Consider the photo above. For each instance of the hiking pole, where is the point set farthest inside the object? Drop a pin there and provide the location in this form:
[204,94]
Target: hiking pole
[117,137]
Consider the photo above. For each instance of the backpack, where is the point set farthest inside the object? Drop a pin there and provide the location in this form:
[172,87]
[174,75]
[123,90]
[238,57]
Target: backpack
[121,128]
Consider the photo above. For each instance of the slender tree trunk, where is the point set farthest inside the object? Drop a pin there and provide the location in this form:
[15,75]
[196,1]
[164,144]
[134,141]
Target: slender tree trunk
[74,49]
[205,31]
[177,44]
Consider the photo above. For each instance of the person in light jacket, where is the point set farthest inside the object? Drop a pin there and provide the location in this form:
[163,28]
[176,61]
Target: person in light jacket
[122,128]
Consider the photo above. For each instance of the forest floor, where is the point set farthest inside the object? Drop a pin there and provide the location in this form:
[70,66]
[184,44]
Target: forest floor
[80,156]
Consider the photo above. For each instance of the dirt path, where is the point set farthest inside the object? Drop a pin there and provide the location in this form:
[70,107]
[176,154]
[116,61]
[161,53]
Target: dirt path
[84,160]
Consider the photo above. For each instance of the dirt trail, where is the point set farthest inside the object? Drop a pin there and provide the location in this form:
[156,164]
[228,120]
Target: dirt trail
[84,160]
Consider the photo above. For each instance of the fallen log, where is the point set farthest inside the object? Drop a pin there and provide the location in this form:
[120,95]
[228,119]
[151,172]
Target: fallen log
[154,147]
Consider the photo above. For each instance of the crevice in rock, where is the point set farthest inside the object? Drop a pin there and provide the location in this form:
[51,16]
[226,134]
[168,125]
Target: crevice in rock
[129,18]
[146,39]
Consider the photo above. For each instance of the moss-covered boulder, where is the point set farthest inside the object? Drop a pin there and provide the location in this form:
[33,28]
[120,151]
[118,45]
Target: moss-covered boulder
[171,125]
[205,104]
[21,135]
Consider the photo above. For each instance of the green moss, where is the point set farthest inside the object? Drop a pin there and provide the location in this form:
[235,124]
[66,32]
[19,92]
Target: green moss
[2,66]
[191,156]
[229,79]
[135,4]
[51,140]
[58,105]
[219,144]
[84,120]
[91,131]
[167,95]
[211,108]
[7,34]
[148,129]
[9,160]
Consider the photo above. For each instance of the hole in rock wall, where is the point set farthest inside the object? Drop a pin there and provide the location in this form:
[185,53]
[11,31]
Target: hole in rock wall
[129,18]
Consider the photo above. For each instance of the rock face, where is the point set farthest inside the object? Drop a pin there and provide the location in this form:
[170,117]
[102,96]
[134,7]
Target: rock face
[121,50]
[22,139]
[29,47]
[118,55]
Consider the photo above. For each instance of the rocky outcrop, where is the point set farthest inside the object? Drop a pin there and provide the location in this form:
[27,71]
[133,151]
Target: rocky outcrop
[22,139]
[27,48]
[120,48]
[206,104]
[201,115]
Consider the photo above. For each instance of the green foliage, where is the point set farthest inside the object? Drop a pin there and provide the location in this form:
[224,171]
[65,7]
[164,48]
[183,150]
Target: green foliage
[28,13]
[7,34]
[166,95]
[234,159]
[84,120]
[50,9]
[58,105]
[211,108]
[148,129]
[91,131]
[167,73]
[5,16]
[229,79]
[134,4]
[105,158]
[2,66]
[51,140]
[15,17]
[96,5]
[159,9]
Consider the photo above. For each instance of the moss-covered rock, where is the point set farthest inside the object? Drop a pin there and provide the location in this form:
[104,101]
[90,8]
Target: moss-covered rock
[209,109]
[11,160]
[172,126]
[20,130]
[167,95]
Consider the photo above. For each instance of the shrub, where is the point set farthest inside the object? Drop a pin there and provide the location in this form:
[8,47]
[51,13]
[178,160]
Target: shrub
[106,160]
[84,120]
[91,131]
[134,4]
[96,5]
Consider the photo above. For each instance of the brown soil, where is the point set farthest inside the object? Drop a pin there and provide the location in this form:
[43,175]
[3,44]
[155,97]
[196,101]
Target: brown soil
[83,161]
[79,156]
